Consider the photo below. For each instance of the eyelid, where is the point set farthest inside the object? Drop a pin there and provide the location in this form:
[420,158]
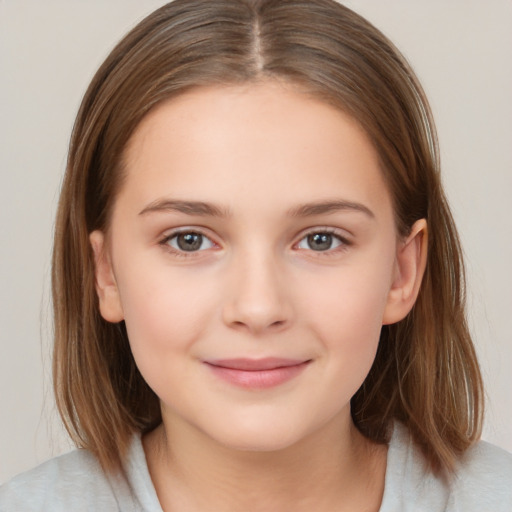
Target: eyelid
[169,235]
[338,233]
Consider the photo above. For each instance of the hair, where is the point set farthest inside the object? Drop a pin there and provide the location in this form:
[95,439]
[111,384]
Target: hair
[425,373]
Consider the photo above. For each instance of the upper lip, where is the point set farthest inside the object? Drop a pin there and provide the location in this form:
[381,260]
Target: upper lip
[247,364]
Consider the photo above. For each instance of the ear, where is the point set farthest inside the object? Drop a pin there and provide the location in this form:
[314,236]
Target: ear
[106,286]
[411,260]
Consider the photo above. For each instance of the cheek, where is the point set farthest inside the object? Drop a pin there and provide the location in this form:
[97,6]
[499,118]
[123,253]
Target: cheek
[165,314]
[349,296]
[345,309]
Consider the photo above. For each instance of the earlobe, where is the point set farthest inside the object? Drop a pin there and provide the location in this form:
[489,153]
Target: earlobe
[106,286]
[411,261]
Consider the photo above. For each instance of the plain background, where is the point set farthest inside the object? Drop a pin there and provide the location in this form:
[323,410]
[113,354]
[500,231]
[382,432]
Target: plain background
[49,50]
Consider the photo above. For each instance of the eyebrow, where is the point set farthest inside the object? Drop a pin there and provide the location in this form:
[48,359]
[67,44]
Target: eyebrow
[199,208]
[333,206]
[204,209]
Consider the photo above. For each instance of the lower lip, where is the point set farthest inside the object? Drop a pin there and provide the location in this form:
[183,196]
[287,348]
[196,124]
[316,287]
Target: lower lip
[258,379]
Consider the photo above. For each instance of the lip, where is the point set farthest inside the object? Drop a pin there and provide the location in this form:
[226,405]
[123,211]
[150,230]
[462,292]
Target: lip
[257,373]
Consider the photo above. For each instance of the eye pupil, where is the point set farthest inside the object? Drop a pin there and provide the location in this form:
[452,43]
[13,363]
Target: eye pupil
[320,241]
[189,241]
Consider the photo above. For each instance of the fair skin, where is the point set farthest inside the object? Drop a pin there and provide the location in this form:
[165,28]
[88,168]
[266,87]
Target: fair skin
[298,260]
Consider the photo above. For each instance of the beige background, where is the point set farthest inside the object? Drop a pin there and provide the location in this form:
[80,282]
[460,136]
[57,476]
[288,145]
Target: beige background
[461,50]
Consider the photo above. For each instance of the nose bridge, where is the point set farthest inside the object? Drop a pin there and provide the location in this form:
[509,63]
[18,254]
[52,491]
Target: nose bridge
[257,298]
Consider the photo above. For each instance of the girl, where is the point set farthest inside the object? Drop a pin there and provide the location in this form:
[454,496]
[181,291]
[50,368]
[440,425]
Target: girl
[257,283]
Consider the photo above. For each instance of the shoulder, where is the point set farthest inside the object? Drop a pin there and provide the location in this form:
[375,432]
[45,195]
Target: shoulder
[483,480]
[74,481]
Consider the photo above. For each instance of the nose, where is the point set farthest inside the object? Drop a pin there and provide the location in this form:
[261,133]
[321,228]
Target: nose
[257,300]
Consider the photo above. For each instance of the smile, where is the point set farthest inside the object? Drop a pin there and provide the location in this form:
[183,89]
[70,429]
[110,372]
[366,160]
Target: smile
[257,373]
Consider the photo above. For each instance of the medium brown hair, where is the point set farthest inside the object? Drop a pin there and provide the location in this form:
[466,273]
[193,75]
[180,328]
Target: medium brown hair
[425,373]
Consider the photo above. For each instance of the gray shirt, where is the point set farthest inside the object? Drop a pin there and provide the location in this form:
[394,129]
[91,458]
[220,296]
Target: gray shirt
[75,482]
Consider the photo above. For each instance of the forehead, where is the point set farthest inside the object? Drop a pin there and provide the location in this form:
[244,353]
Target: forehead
[249,143]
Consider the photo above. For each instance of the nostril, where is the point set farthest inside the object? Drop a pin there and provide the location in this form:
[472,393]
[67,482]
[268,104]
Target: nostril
[257,304]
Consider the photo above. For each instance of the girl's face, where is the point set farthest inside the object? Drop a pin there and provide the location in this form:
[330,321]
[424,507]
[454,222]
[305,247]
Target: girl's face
[253,255]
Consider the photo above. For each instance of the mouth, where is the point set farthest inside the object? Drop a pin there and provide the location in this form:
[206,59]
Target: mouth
[257,373]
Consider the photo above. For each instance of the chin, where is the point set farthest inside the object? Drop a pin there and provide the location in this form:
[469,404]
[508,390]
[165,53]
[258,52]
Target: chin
[259,442]
[252,434]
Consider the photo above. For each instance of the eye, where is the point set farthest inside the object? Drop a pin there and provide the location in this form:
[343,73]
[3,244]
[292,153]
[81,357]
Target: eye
[188,241]
[321,241]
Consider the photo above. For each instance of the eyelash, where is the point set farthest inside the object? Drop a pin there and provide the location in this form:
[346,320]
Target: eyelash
[180,253]
[344,243]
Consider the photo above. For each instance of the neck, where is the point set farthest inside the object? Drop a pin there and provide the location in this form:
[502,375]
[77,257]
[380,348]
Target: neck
[335,469]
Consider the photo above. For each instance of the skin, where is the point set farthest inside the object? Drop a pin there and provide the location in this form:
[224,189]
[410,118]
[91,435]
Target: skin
[256,287]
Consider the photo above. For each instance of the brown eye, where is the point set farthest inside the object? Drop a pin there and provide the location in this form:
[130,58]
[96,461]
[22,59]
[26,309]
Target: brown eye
[189,242]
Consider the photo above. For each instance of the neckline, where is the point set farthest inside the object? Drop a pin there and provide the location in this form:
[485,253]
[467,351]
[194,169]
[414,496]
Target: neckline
[397,464]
